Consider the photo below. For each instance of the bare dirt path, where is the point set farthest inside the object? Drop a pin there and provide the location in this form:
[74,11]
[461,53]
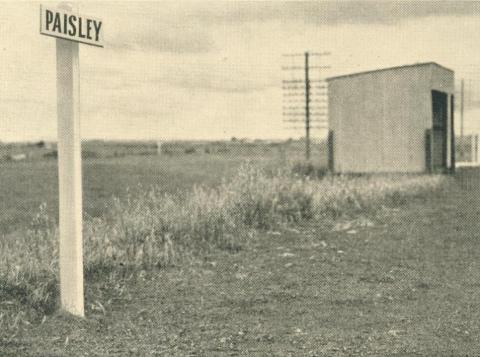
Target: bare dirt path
[405,281]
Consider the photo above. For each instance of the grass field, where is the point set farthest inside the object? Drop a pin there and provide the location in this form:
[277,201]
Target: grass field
[25,185]
[112,168]
[374,277]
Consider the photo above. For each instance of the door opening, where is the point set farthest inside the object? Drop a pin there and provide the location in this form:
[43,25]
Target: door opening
[439,131]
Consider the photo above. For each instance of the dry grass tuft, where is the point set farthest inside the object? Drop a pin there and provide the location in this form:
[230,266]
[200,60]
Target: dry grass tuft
[155,229]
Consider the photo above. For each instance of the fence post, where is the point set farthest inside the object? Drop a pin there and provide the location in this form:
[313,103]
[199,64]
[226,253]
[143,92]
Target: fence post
[159,147]
[330,146]
[428,150]
[452,134]
[476,148]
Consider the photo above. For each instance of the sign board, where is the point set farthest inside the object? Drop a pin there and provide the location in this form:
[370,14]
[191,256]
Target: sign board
[64,24]
[70,26]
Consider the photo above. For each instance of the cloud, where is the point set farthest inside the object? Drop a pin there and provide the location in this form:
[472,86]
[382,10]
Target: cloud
[334,12]
[183,78]
[160,27]
[220,82]
[152,73]
[152,39]
[190,27]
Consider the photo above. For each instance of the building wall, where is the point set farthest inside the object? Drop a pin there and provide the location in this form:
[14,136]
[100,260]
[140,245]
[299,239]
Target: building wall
[379,118]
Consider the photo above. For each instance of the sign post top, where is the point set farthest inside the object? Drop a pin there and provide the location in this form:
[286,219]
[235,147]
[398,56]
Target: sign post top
[71,26]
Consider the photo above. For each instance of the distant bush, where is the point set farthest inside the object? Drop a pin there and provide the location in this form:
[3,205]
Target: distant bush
[305,168]
[146,153]
[154,229]
[223,149]
[167,151]
[118,154]
[86,154]
[190,150]
[51,154]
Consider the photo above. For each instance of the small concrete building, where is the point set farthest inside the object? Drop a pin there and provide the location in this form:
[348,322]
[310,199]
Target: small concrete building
[392,120]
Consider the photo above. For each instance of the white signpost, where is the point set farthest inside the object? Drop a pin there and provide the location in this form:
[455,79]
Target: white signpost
[70,29]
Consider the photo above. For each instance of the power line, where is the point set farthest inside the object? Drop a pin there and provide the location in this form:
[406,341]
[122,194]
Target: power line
[301,121]
[288,68]
[296,88]
[299,54]
[312,127]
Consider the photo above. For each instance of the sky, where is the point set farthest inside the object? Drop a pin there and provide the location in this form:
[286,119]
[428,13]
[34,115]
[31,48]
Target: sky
[212,70]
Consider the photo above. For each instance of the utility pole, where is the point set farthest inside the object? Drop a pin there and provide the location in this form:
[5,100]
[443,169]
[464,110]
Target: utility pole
[159,147]
[294,89]
[462,105]
[462,100]
[307,109]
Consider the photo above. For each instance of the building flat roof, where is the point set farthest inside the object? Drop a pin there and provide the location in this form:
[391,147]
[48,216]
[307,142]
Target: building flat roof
[389,69]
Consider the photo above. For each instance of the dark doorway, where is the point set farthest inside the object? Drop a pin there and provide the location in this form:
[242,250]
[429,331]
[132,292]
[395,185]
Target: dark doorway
[439,131]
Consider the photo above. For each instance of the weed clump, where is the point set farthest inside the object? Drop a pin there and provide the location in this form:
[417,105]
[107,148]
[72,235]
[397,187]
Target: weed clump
[155,229]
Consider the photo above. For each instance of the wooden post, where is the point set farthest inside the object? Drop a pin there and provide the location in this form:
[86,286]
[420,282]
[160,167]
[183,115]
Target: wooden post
[472,148]
[476,148]
[462,105]
[159,147]
[452,134]
[69,177]
[307,109]
[428,151]
[331,147]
